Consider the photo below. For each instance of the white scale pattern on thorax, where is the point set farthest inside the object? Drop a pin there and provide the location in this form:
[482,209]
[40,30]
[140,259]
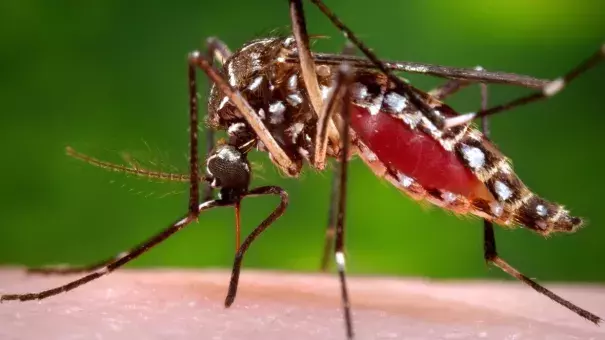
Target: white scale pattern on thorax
[273,89]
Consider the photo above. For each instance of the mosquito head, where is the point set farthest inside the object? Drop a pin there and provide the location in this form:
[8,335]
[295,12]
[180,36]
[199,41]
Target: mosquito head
[228,169]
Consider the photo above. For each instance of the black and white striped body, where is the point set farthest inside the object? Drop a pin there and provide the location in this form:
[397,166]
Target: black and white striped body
[482,181]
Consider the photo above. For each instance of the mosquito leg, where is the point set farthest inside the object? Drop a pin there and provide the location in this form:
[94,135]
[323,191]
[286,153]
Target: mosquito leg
[549,90]
[208,191]
[194,179]
[484,102]
[321,138]
[194,193]
[239,256]
[448,88]
[448,72]
[345,75]
[307,66]
[453,86]
[67,270]
[299,28]
[137,171]
[325,122]
[331,227]
[216,50]
[335,233]
[333,104]
[325,125]
[117,262]
[491,255]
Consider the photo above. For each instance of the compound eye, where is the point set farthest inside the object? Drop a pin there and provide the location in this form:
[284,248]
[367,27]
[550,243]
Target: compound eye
[228,168]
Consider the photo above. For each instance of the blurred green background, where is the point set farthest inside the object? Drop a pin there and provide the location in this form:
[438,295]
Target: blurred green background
[109,77]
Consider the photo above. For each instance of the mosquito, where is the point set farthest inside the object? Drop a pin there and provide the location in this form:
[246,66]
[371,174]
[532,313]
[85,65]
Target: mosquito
[275,95]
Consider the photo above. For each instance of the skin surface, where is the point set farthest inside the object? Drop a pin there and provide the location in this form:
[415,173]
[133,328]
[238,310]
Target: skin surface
[177,304]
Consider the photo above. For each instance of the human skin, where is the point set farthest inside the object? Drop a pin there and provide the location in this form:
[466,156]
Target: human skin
[188,304]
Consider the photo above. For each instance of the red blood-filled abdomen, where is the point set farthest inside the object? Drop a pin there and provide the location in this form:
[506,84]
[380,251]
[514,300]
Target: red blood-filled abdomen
[414,153]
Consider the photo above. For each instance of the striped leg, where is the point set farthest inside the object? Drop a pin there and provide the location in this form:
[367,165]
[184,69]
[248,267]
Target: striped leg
[335,233]
[322,136]
[134,170]
[345,80]
[215,50]
[118,261]
[472,75]
[547,91]
[126,257]
[452,86]
[104,267]
[491,256]
[239,256]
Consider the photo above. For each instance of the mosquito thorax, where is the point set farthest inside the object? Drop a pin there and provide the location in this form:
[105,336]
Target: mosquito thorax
[227,168]
[276,91]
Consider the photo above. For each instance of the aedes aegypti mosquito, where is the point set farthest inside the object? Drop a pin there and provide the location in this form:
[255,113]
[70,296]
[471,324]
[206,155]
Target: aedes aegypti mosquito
[274,95]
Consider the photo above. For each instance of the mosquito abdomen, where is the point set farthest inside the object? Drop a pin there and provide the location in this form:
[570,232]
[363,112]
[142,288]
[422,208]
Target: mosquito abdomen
[415,154]
[458,169]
